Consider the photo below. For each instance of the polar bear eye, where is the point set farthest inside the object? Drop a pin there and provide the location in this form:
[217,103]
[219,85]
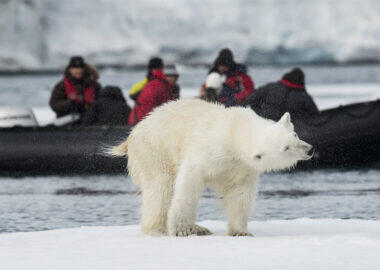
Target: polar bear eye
[286,148]
[295,135]
[258,156]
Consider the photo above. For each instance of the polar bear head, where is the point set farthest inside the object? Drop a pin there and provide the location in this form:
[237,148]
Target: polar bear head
[279,147]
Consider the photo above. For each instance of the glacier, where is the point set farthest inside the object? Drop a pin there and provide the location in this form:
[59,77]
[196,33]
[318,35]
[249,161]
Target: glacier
[38,34]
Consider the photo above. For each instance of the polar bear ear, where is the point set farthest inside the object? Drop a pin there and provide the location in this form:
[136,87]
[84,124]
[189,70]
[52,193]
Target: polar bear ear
[285,120]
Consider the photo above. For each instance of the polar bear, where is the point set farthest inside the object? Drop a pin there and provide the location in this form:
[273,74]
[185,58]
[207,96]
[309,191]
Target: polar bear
[184,146]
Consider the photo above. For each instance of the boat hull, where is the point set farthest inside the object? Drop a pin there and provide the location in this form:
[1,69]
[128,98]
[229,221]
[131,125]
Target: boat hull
[67,150]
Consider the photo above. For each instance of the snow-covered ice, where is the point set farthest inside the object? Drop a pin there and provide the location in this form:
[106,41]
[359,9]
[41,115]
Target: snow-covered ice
[278,244]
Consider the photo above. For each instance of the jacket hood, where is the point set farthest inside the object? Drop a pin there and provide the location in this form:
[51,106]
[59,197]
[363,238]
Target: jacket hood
[225,58]
[158,73]
[295,76]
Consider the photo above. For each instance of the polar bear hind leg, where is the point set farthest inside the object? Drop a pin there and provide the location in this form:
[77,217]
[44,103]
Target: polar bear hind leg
[156,184]
[157,194]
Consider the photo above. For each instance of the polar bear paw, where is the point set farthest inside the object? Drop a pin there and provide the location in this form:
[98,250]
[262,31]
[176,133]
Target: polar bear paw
[186,230]
[199,230]
[180,229]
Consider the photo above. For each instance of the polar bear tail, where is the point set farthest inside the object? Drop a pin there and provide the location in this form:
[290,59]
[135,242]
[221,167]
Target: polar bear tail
[120,150]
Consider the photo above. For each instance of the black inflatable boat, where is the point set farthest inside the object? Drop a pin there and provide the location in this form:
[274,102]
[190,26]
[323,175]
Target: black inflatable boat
[342,137]
[60,150]
[346,136]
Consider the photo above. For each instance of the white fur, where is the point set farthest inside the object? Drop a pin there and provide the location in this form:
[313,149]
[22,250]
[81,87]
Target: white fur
[184,146]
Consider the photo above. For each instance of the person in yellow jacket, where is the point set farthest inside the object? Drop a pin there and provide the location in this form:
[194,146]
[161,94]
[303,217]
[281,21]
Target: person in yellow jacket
[154,63]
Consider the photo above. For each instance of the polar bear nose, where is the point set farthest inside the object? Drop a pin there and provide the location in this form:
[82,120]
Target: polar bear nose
[311,151]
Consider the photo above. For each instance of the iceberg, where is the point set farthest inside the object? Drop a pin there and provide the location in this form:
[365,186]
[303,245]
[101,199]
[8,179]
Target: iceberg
[278,244]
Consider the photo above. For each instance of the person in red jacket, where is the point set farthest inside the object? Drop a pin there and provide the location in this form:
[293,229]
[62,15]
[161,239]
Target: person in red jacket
[77,91]
[155,93]
[236,76]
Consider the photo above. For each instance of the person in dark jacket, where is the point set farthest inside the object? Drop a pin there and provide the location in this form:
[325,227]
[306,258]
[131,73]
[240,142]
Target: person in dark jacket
[111,108]
[236,75]
[287,95]
[76,92]
[227,97]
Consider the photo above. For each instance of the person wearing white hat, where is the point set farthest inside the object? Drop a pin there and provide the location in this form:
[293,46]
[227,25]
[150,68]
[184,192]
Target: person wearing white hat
[237,79]
[172,76]
[216,90]
[213,86]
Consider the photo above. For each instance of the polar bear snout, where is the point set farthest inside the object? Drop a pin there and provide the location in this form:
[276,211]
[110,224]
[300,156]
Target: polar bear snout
[307,149]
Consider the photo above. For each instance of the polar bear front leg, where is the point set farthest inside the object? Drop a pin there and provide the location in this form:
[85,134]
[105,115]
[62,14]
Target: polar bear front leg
[239,201]
[189,187]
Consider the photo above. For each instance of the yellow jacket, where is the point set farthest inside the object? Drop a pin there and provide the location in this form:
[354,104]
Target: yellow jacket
[136,89]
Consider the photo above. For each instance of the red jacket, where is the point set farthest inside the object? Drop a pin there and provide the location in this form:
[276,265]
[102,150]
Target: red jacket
[156,92]
[240,83]
[88,93]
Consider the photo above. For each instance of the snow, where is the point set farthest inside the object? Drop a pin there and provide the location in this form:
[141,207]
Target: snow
[278,244]
[42,34]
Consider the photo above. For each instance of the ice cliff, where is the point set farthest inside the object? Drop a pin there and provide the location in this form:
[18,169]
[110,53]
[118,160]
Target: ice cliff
[42,34]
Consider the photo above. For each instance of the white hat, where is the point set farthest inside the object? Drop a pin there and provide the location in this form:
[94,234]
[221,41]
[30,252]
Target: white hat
[170,70]
[214,80]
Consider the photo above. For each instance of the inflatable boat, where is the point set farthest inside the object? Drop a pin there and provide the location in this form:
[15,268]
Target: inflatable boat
[62,147]
[345,136]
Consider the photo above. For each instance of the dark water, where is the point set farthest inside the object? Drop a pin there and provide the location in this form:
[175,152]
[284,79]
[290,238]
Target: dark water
[29,204]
